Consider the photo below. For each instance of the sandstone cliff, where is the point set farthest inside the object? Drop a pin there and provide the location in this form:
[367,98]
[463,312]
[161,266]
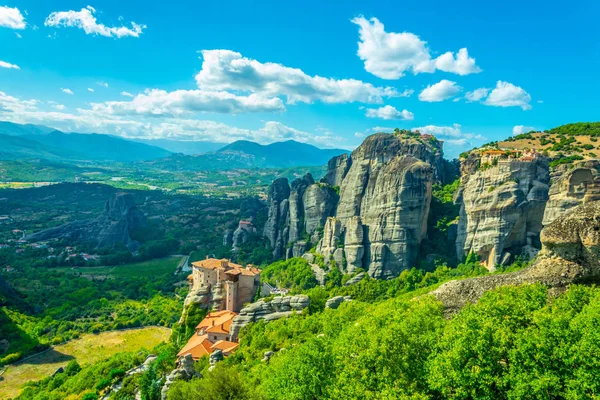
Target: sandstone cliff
[571,186]
[297,214]
[502,204]
[113,226]
[570,254]
[385,193]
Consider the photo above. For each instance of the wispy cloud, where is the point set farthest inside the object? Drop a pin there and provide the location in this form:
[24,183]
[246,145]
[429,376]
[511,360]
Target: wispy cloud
[85,19]
[4,64]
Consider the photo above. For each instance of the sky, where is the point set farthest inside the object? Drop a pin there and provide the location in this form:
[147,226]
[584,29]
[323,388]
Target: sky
[325,73]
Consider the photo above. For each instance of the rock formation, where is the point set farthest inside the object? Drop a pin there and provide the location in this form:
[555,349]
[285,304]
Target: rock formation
[385,193]
[570,254]
[267,311]
[185,371]
[113,226]
[572,187]
[228,238]
[336,301]
[297,214]
[501,207]
[337,168]
[242,234]
[296,211]
[370,209]
[278,205]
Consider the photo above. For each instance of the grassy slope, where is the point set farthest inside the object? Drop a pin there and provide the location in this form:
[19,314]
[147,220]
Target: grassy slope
[86,350]
[146,269]
[535,143]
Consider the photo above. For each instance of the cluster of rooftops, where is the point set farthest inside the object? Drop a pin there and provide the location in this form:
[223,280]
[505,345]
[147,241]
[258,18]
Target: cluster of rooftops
[213,333]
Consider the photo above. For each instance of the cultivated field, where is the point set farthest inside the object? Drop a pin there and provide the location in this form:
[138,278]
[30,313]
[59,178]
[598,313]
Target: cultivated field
[86,350]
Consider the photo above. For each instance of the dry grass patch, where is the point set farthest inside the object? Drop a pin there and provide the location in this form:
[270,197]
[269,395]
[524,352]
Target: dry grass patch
[86,350]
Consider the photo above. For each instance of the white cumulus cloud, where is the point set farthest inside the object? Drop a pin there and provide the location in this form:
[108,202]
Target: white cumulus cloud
[4,64]
[103,84]
[86,20]
[389,112]
[67,91]
[11,18]
[157,102]
[90,90]
[440,91]
[139,126]
[389,55]
[477,94]
[506,94]
[519,129]
[462,64]
[228,70]
[127,94]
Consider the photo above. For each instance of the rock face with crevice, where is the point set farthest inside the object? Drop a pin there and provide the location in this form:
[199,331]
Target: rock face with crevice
[501,207]
[385,193]
[275,229]
[114,226]
[297,214]
[570,254]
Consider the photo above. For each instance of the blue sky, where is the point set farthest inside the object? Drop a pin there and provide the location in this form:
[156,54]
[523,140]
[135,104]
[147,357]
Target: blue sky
[326,73]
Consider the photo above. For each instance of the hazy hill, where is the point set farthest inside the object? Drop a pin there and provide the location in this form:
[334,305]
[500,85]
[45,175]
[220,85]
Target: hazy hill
[286,153]
[21,148]
[183,147]
[23,142]
[100,147]
[12,129]
[245,154]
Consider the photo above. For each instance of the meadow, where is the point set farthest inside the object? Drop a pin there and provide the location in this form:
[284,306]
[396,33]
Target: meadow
[88,349]
[150,268]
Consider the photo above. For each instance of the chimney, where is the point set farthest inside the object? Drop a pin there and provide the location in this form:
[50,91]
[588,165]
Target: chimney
[224,263]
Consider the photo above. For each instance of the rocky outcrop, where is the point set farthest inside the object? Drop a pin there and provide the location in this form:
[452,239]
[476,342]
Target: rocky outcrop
[570,254]
[113,226]
[336,301]
[185,371]
[242,234]
[275,229]
[319,204]
[278,307]
[296,201]
[571,186]
[355,279]
[383,205]
[337,168]
[196,299]
[228,238]
[501,207]
[297,214]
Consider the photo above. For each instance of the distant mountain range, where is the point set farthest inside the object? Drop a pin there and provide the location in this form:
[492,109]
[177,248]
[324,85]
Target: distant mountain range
[245,154]
[183,147]
[27,142]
